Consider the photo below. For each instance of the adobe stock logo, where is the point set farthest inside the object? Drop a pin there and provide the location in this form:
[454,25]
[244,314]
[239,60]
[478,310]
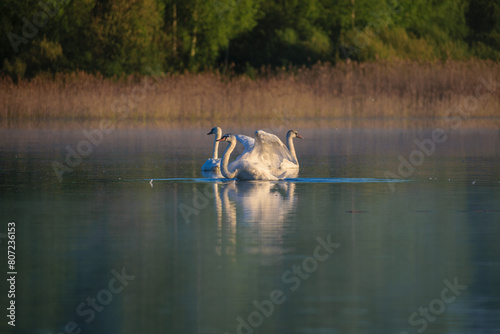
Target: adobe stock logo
[200,202]
[122,106]
[293,278]
[40,19]
[97,303]
[436,307]
[454,117]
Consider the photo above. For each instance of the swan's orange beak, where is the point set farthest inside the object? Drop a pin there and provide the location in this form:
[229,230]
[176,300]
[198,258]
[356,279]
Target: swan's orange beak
[299,136]
[222,139]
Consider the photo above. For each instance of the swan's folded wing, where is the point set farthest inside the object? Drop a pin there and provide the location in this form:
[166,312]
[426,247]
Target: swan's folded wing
[211,164]
[252,170]
[288,174]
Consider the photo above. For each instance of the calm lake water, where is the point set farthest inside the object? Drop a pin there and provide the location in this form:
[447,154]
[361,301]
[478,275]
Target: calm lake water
[103,249]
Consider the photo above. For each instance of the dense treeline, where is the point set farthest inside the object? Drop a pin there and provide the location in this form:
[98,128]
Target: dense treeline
[116,37]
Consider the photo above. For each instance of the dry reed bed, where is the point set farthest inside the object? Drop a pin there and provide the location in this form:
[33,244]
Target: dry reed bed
[274,126]
[368,90]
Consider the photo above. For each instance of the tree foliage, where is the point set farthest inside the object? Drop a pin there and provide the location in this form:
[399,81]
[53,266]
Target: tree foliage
[116,37]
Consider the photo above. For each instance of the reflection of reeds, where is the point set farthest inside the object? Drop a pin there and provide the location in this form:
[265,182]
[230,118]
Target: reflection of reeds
[367,90]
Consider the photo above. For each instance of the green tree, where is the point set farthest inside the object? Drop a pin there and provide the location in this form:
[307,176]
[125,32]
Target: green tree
[198,30]
[107,36]
[117,37]
[123,36]
[483,19]
[27,45]
[288,32]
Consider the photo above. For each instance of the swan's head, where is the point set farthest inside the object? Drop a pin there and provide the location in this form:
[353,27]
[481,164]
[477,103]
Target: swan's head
[294,133]
[228,137]
[215,131]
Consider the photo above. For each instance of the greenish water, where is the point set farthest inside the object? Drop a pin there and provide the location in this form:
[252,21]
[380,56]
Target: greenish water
[103,249]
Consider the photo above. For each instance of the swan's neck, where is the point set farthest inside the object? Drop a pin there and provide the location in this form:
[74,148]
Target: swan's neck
[225,161]
[291,148]
[216,145]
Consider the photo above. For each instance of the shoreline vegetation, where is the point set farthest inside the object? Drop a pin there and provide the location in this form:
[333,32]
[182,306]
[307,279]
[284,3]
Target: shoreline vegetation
[380,62]
[363,92]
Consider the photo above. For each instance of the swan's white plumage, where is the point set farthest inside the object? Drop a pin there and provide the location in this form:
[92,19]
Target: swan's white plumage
[245,167]
[213,164]
[248,145]
[251,170]
[247,142]
[268,159]
[272,152]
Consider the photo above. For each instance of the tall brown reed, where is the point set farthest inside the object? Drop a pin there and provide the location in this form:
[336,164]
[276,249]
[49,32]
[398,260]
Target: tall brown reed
[347,90]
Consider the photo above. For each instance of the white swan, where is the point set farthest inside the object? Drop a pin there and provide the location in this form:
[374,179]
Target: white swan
[289,142]
[213,164]
[246,167]
[268,158]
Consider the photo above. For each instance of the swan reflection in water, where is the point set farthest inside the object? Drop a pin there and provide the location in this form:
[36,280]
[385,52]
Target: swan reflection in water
[252,216]
[289,174]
